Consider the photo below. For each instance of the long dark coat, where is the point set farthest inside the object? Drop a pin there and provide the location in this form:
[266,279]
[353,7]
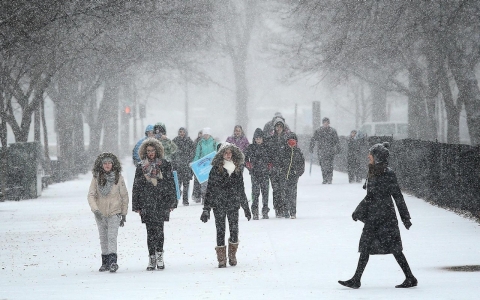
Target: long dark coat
[381,234]
[184,155]
[327,139]
[154,202]
[226,192]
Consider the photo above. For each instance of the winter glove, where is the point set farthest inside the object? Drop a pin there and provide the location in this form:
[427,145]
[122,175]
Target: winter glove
[270,166]
[407,223]
[249,165]
[98,214]
[123,220]
[248,214]
[205,216]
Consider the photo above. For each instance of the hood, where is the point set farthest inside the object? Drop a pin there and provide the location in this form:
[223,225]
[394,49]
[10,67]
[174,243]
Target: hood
[160,126]
[159,152]
[292,135]
[278,120]
[258,133]
[184,129]
[237,156]
[148,128]
[98,165]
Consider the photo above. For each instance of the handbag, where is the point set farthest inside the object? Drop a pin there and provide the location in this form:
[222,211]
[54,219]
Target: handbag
[361,212]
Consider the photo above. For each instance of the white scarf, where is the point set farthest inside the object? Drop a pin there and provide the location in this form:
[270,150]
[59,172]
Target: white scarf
[229,166]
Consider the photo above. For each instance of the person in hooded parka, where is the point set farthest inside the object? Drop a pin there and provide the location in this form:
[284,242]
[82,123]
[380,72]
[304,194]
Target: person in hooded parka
[169,147]
[381,234]
[154,197]
[256,161]
[108,200]
[225,194]
[182,159]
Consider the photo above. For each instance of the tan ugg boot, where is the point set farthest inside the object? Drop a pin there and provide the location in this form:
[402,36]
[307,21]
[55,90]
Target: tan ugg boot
[221,256]
[232,251]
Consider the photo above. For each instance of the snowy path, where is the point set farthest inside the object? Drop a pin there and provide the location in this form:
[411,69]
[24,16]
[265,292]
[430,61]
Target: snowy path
[50,250]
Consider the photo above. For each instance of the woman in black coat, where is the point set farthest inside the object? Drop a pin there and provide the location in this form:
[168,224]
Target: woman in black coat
[381,234]
[154,197]
[225,194]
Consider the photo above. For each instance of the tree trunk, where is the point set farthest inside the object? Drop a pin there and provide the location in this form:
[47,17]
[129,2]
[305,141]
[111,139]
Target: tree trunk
[110,116]
[453,111]
[432,94]
[416,105]
[379,103]
[241,90]
[46,166]
[3,152]
[469,92]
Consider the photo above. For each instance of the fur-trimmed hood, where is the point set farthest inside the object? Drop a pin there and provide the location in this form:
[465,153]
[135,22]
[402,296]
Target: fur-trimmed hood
[237,156]
[159,152]
[98,171]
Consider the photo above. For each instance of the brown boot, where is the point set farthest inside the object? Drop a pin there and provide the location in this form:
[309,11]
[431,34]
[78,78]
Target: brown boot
[221,256]
[232,251]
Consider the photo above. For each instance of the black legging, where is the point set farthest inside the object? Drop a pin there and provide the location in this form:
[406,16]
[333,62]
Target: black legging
[155,238]
[259,184]
[220,216]
[399,257]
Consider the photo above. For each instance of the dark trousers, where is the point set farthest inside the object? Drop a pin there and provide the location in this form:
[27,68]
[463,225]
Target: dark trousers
[155,238]
[326,164]
[184,180]
[278,189]
[259,184]
[353,169]
[220,224]
[197,193]
[291,195]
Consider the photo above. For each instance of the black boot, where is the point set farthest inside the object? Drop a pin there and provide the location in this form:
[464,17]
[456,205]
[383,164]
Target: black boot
[265,211]
[352,283]
[355,283]
[113,262]
[255,212]
[408,283]
[104,266]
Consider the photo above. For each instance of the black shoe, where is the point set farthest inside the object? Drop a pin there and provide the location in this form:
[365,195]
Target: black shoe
[255,216]
[185,203]
[104,267]
[324,182]
[352,283]
[113,262]
[408,283]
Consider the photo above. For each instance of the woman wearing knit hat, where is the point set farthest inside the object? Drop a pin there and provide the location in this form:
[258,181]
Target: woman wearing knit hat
[381,234]
[108,200]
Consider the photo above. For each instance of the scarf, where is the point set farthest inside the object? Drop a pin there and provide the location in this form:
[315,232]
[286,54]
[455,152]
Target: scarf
[151,170]
[110,179]
[229,166]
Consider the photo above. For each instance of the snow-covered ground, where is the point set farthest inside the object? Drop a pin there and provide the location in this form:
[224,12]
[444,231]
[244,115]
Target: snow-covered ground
[50,250]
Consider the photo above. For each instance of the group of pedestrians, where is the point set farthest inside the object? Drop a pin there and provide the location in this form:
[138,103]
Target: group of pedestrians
[272,156]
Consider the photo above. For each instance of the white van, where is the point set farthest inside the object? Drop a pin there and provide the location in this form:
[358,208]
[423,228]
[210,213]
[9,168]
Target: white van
[399,130]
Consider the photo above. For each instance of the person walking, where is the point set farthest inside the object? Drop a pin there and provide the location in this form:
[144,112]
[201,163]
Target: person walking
[238,138]
[108,200]
[295,167]
[381,234]
[148,133]
[225,194]
[276,145]
[169,147]
[353,158]
[256,161]
[154,197]
[181,161]
[328,146]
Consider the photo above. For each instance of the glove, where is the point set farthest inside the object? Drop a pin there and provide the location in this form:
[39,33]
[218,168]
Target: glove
[248,214]
[407,223]
[205,216]
[98,214]
[354,217]
[270,166]
[123,220]
[249,165]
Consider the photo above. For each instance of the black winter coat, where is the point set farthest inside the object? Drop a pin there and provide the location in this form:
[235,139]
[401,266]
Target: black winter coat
[225,192]
[277,145]
[327,139]
[381,234]
[154,202]
[294,163]
[257,155]
[184,155]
